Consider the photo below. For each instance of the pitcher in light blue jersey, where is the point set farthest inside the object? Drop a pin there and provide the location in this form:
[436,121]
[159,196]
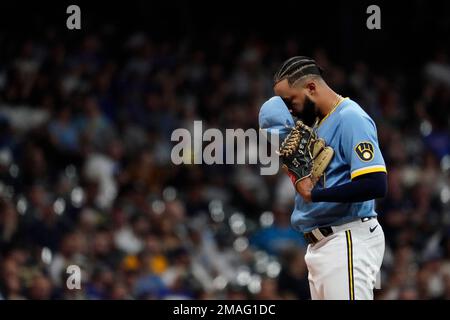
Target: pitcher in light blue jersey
[337,215]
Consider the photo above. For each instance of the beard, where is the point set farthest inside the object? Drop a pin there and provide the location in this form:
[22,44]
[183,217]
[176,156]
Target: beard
[309,112]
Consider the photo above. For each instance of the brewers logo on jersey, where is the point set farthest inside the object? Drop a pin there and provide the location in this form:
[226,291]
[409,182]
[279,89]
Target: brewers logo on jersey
[364,150]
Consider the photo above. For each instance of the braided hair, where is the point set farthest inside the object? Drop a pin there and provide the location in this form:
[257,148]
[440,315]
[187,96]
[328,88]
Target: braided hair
[296,68]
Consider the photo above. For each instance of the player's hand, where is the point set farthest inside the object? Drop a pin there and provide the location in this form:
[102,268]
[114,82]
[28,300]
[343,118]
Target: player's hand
[303,154]
[304,188]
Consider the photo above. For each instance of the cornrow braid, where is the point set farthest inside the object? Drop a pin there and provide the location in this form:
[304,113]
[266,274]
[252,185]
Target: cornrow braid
[296,68]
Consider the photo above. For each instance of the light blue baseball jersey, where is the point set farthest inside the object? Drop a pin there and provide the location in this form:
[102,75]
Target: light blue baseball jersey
[352,134]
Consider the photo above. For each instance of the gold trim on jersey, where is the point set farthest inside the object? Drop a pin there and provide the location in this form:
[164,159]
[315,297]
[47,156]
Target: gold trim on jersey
[332,110]
[369,169]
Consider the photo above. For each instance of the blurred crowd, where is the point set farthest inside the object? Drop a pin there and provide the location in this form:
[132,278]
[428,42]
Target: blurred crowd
[86,176]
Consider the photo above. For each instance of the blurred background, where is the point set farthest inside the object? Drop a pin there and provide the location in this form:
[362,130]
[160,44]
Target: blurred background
[85,123]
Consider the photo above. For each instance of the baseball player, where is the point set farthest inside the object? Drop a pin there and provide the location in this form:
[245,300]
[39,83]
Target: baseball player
[335,209]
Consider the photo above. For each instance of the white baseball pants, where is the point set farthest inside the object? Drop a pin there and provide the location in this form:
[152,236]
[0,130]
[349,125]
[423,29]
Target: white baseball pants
[345,265]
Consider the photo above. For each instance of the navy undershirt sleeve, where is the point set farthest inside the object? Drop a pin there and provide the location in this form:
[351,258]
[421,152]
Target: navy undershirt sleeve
[366,187]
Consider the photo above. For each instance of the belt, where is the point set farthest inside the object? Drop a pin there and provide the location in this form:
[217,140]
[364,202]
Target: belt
[318,234]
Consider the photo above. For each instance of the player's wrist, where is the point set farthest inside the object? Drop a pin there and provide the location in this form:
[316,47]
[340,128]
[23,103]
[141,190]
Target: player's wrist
[304,187]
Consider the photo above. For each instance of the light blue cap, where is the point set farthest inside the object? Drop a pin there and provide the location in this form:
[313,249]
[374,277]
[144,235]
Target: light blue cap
[274,115]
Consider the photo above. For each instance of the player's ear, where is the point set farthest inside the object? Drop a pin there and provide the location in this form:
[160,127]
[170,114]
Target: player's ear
[311,87]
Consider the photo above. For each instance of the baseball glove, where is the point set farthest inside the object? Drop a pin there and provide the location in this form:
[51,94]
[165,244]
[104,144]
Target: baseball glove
[304,155]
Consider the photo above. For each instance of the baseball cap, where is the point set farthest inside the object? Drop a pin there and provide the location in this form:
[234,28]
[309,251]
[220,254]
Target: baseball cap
[274,116]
